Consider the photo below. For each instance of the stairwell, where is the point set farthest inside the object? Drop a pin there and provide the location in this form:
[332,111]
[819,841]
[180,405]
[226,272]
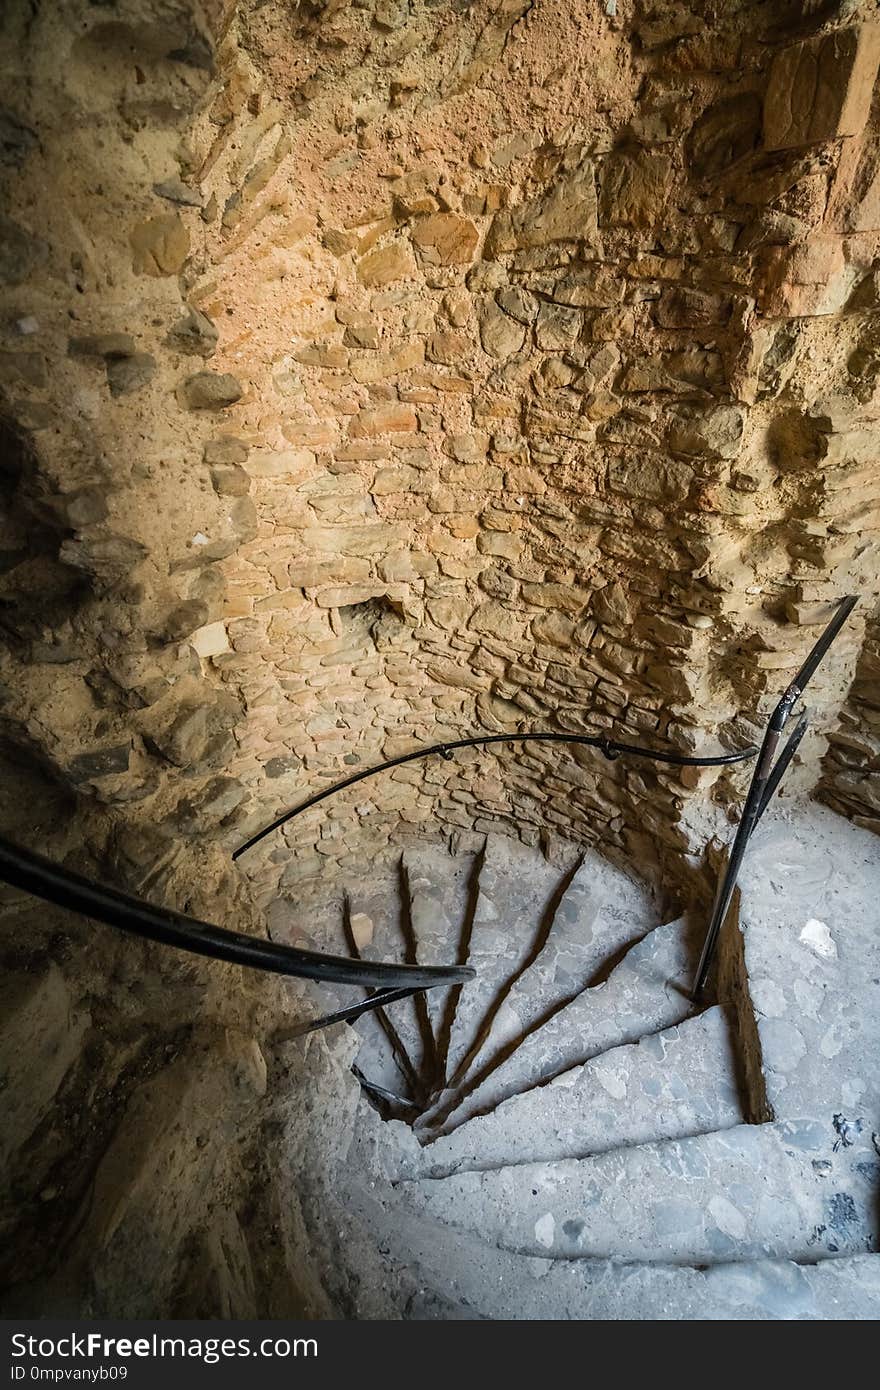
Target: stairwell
[586,1142]
[475,376]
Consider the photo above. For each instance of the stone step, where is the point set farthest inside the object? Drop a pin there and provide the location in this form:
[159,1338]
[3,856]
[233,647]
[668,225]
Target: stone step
[667,1086]
[783,1191]
[601,911]
[423,1258]
[645,992]
[378,930]
[804,962]
[382,1058]
[501,1286]
[512,916]
[441,891]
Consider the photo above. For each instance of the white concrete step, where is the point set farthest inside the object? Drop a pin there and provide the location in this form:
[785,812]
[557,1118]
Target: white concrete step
[441,890]
[666,1086]
[382,1057]
[809,959]
[511,920]
[645,992]
[391,1260]
[783,1191]
[601,911]
[498,1285]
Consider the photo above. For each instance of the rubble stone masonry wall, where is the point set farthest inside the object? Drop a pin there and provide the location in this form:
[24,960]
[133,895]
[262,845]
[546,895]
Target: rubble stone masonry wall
[378,372]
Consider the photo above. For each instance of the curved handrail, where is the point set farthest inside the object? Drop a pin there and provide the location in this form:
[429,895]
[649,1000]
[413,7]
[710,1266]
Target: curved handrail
[608,747]
[45,879]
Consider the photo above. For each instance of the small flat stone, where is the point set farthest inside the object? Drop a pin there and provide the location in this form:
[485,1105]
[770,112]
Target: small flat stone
[100,762]
[193,333]
[160,245]
[209,391]
[127,374]
[176,191]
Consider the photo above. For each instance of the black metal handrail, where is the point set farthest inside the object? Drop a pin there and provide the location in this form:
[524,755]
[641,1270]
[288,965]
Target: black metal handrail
[765,782]
[608,747]
[386,981]
[43,878]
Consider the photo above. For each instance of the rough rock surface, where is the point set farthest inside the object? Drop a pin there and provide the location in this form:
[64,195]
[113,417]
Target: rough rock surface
[371,376]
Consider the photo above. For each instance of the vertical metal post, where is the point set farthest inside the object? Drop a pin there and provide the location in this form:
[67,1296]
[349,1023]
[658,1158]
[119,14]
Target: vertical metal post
[765,781]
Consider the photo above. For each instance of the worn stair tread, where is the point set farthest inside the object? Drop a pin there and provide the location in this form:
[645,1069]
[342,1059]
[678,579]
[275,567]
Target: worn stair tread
[515,892]
[645,992]
[419,1252]
[666,1086]
[440,888]
[381,1057]
[810,946]
[499,1285]
[601,911]
[378,921]
[783,1191]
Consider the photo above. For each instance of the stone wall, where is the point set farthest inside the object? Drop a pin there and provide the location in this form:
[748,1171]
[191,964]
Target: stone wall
[381,373]
[851,770]
[373,374]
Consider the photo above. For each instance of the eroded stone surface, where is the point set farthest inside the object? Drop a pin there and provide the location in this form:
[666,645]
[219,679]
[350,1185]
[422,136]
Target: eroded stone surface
[811,952]
[678,1082]
[695,1200]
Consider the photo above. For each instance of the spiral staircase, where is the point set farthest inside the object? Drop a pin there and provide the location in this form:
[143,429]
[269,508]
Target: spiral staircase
[504,1090]
[569,1136]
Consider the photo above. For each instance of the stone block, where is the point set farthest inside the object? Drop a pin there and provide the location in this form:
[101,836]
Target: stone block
[562,597]
[230,480]
[807,280]
[20,252]
[226,450]
[566,212]
[360,541]
[500,335]
[100,762]
[558,327]
[102,345]
[192,730]
[635,185]
[329,356]
[518,303]
[381,365]
[448,348]
[127,374]
[308,574]
[41,1039]
[282,463]
[391,418]
[404,479]
[649,476]
[681,307]
[348,595]
[445,238]
[386,264]
[821,89]
[160,245]
[209,391]
[715,433]
[210,640]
